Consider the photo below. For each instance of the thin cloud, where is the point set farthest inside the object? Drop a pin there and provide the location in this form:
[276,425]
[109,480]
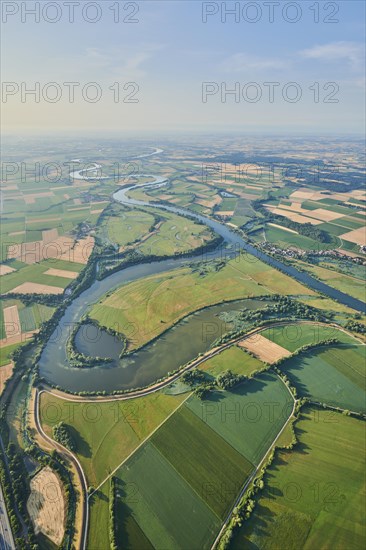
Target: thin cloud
[241,62]
[351,52]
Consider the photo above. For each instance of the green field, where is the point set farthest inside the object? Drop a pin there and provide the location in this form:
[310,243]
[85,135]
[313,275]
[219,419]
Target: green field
[333,374]
[156,302]
[163,504]
[314,496]
[250,416]
[123,227]
[176,489]
[202,458]
[106,433]
[5,353]
[294,336]
[235,359]
[176,234]
[34,273]
[287,239]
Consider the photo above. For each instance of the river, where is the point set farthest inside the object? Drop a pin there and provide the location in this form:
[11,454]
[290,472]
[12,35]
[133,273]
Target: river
[179,344]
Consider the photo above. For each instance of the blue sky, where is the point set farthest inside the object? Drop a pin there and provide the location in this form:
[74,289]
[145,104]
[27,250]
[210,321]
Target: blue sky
[170,52]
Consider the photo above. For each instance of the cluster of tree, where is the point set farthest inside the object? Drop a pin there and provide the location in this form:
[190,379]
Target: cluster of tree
[52,300]
[355,326]
[203,391]
[78,359]
[112,519]
[61,434]
[193,377]
[283,308]
[9,497]
[228,380]
[204,268]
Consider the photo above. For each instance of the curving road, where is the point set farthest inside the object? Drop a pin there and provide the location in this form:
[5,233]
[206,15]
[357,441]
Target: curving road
[141,393]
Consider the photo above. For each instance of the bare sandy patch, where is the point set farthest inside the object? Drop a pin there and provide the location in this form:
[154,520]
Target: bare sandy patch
[36,288]
[46,505]
[5,373]
[5,269]
[11,321]
[97,211]
[225,213]
[61,273]
[264,349]
[284,228]
[357,236]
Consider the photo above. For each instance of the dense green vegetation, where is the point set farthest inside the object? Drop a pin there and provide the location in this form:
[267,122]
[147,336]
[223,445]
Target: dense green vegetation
[61,434]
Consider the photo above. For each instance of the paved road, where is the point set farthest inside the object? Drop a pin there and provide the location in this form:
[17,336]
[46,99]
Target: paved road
[79,470]
[6,536]
[140,393]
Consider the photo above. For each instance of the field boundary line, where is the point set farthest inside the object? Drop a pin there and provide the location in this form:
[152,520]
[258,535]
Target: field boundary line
[250,479]
[140,445]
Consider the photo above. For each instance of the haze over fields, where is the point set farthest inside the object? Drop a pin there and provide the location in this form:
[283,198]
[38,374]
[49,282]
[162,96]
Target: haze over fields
[182,275]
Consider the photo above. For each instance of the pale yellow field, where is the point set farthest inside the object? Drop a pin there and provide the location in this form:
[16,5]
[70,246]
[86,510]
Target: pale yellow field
[46,505]
[5,269]
[36,288]
[61,273]
[357,236]
[264,349]
[62,248]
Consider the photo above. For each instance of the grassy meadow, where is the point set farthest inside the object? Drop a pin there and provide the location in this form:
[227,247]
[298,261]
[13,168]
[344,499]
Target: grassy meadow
[157,302]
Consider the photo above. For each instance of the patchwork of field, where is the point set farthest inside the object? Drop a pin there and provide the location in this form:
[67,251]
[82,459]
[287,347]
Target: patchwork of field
[46,277]
[175,490]
[314,495]
[203,193]
[336,213]
[105,434]
[18,323]
[155,303]
[294,336]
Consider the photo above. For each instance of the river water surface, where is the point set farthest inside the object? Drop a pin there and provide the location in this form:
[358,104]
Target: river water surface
[178,345]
